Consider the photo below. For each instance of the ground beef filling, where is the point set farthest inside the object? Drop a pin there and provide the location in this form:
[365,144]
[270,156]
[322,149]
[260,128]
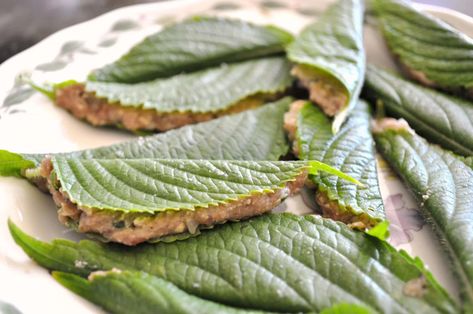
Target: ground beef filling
[330,208]
[290,124]
[327,93]
[97,111]
[134,228]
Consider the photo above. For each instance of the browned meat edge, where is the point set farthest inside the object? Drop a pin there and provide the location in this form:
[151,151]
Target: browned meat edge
[134,228]
[327,93]
[97,111]
[330,208]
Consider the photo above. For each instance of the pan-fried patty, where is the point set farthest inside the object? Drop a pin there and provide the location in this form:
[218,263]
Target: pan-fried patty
[327,93]
[134,228]
[97,111]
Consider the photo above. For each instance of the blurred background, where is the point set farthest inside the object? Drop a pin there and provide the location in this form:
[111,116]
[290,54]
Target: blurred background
[25,22]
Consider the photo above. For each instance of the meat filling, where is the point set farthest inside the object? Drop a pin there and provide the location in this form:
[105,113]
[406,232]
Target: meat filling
[97,111]
[326,92]
[134,228]
[330,208]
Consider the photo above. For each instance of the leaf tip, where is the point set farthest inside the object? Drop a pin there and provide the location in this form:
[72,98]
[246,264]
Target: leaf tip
[380,231]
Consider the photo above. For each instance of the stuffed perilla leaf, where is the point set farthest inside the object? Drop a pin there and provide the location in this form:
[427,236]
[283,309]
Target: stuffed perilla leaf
[278,262]
[330,58]
[433,52]
[158,185]
[191,45]
[251,135]
[443,186]
[442,119]
[208,90]
[352,151]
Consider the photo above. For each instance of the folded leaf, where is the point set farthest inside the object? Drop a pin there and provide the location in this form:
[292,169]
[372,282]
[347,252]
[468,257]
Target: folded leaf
[251,135]
[351,150]
[432,51]
[443,186]
[138,292]
[193,45]
[278,262]
[209,90]
[331,58]
[157,185]
[443,119]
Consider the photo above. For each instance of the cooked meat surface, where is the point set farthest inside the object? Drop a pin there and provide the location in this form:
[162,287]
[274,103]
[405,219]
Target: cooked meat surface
[97,111]
[327,93]
[134,228]
[290,124]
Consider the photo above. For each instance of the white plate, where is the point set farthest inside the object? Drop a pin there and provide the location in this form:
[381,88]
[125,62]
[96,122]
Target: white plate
[35,125]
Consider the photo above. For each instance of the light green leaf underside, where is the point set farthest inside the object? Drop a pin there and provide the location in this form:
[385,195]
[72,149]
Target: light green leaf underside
[156,185]
[251,135]
[138,292]
[351,151]
[426,44]
[443,186]
[209,90]
[333,45]
[193,45]
[443,119]
[12,164]
[277,262]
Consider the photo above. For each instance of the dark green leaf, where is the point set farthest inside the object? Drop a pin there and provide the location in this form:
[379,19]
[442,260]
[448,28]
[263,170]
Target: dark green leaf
[203,91]
[137,292]
[439,54]
[443,186]
[193,45]
[278,262]
[443,119]
[333,47]
[351,151]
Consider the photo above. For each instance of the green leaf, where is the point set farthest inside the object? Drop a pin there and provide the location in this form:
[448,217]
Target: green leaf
[332,49]
[277,262]
[157,185]
[193,45]
[208,90]
[443,119]
[439,54]
[251,135]
[351,151]
[380,231]
[12,164]
[345,308]
[443,186]
[138,292]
